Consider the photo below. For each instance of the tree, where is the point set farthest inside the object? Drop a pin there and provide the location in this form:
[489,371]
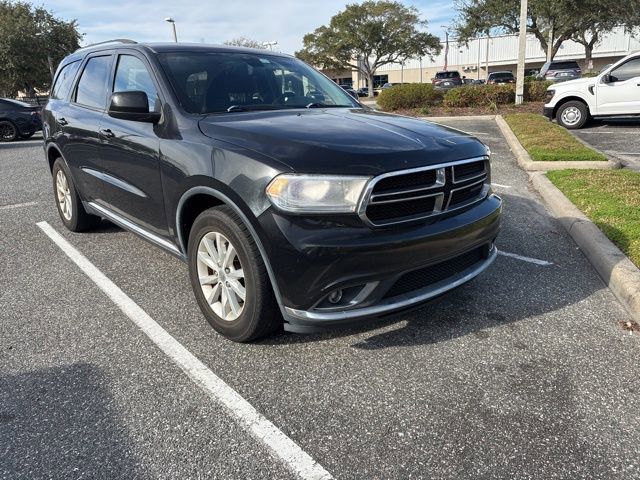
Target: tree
[244,42]
[600,17]
[33,43]
[366,36]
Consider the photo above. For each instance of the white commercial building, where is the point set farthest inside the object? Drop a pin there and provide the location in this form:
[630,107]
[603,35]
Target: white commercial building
[499,53]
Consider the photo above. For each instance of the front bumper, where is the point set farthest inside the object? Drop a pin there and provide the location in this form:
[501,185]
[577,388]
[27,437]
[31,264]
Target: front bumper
[548,112]
[312,258]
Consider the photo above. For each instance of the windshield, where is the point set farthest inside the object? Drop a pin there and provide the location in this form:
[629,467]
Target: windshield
[564,66]
[227,82]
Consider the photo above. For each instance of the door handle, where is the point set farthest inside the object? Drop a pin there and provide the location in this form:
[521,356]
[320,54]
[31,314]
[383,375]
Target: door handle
[63,121]
[106,132]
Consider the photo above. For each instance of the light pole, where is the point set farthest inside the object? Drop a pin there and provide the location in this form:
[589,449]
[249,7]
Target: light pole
[270,44]
[446,47]
[173,25]
[522,52]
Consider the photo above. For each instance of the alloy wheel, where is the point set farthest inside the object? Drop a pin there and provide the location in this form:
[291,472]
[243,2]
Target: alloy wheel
[221,276]
[7,131]
[63,195]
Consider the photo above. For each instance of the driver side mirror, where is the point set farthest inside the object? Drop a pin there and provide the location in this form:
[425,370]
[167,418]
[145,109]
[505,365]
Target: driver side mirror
[133,105]
[606,78]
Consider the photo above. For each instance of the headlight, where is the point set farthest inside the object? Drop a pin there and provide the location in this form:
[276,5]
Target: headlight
[316,193]
[550,94]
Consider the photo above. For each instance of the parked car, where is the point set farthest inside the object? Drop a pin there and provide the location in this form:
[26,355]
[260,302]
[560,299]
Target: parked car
[288,211]
[560,71]
[364,92]
[495,78]
[468,81]
[18,120]
[614,92]
[531,72]
[387,86]
[349,89]
[446,80]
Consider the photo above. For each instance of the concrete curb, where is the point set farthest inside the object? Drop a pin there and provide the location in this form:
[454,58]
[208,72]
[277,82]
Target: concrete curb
[459,117]
[613,266]
[525,162]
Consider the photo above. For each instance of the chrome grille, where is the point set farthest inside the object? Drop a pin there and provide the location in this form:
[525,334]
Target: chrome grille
[420,193]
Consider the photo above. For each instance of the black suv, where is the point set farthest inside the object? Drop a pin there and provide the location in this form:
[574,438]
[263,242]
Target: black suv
[291,203]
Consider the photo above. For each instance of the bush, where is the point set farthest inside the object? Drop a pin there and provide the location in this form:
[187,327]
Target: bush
[410,95]
[479,95]
[493,95]
[536,91]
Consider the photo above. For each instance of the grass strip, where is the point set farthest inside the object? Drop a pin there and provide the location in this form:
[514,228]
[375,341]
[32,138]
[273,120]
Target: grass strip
[610,199]
[546,141]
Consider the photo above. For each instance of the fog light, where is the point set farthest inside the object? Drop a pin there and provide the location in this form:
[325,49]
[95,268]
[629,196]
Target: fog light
[335,296]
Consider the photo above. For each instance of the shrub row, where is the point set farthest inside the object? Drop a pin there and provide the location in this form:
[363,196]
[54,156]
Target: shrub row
[421,95]
[488,95]
[410,95]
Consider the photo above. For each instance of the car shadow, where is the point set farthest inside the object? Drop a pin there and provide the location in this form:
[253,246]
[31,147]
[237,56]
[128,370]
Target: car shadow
[61,423]
[508,291]
[612,123]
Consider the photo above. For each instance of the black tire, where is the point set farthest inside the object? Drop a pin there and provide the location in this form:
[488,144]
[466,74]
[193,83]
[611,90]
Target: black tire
[572,115]
[260,314]
[78,219]
[8,131]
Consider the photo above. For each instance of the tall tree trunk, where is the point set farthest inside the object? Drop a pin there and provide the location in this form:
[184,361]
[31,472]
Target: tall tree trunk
[588,57]
[370,79]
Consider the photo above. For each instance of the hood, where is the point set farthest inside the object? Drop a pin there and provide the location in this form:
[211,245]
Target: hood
[571,84]
[342,141]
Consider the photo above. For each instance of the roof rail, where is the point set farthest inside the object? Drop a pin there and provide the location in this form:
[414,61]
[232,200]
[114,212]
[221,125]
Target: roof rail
[115,40]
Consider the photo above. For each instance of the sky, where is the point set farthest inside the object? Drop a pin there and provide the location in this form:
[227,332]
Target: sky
[284,21]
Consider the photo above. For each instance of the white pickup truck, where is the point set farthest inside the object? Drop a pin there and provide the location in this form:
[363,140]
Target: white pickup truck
[613,93]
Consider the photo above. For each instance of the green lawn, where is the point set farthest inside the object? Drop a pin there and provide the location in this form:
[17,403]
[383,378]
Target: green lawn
[611,199]
[546,141]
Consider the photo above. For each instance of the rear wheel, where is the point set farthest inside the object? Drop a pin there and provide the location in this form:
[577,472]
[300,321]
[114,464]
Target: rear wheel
[8,131]
[572,115]
[70,208]
[229,278]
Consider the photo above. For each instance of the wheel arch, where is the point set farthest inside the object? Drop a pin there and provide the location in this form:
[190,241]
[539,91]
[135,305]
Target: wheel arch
[53,153]
[570,98]
[200,198]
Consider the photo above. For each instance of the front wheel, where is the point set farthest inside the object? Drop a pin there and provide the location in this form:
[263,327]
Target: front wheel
[572,115]
[70,208]
[229,278]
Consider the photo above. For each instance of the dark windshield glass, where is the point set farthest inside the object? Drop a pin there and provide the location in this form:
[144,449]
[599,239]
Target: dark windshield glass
[447,75]
[215,82]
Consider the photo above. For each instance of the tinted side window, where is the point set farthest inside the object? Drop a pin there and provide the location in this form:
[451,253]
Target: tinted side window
[626,71]
[92,86]
[132,75]
[64,81]
[564,66]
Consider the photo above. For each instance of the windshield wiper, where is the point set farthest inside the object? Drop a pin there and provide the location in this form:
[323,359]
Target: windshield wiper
[251,108]
[315,105]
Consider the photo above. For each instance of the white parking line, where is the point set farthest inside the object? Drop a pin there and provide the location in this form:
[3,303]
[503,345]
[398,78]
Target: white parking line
[17,205]
[500,185]
[536,261]
[262,429]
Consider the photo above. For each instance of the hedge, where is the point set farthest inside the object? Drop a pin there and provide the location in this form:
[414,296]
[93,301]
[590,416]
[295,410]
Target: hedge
[488,95]
[422,95]
[410,95]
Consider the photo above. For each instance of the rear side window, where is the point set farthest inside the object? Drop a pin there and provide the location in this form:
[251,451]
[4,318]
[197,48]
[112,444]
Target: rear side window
[63,84]
[626,71]
[92,86]
[501,75]
[132,75]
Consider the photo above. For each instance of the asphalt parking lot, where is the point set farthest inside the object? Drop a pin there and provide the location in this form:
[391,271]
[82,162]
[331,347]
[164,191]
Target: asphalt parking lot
[524,373]
[617,138]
